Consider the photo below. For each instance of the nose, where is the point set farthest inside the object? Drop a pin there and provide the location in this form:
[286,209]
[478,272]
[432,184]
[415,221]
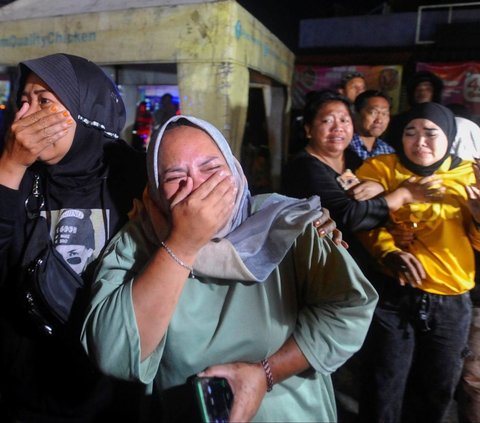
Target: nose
[197,179]
[336,128]
[337,125]
[32,108]
[420,140]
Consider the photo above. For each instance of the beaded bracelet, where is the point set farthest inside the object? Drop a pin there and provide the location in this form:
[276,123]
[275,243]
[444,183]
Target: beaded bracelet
[268,374]
[177,260]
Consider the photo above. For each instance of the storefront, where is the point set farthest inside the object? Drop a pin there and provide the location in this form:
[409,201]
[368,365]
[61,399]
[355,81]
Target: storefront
[209,50]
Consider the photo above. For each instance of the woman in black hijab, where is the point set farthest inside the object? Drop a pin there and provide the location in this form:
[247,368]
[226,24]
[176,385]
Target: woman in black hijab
[65,166]
[416,344]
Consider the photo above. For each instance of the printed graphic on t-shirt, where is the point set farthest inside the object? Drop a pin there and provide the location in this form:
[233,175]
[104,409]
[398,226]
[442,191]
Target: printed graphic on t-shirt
[79,235]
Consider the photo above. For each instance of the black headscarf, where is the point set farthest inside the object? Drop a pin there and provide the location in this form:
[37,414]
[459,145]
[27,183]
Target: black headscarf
[93,100]
[445,119]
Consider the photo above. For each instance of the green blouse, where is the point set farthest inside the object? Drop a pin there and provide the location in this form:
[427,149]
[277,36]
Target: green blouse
[317,294]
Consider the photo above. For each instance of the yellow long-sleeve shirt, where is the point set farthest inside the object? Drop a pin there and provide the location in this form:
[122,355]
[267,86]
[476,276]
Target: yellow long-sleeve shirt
[445,233]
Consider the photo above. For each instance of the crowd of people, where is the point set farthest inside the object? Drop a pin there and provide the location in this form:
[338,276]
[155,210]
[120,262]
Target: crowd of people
[414,234]
[127,276]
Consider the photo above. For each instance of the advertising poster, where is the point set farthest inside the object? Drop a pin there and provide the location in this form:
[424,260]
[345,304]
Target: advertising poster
[461,84]
[310,78]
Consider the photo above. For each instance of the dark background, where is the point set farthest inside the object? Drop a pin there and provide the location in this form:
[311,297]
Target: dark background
[282,17]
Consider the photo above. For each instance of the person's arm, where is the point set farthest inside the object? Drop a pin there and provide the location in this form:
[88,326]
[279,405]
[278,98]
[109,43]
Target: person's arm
[21,150]
[405,267]
[337,304]
[197,216]
[383,245]
[250,381]
[380,169]
[415,190]
[308,176]
[366,190]
[141,288]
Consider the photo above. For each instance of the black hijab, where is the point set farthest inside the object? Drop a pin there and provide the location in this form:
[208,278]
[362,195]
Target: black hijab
[94,102]
[445,119]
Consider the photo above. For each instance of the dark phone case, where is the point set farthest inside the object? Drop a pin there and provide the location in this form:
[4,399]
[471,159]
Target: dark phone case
[214,398]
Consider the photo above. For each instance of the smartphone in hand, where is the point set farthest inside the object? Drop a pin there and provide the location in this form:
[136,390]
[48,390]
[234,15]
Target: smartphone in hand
[214,398]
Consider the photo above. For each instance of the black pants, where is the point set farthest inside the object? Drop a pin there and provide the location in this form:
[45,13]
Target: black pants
[413,356]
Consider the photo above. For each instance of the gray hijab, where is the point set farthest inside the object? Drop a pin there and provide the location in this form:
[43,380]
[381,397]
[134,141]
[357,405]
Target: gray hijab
[252,244]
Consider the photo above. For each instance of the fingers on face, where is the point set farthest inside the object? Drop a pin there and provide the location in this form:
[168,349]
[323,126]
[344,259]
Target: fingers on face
[183,192]
[46,118]
[218,186]
[209,185]
[56,125]
[216,196]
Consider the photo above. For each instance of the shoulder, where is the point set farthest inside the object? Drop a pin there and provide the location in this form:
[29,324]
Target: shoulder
[301,156]
[461,172]
[463,168]
[467,124]
[129,247]
[304,164]
[467,130]
[382,162]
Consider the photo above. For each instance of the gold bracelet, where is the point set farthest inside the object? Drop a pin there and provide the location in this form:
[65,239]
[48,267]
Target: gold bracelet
[177,260]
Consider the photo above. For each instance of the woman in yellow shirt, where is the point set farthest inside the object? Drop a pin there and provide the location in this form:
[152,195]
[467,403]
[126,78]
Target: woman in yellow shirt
[419,332]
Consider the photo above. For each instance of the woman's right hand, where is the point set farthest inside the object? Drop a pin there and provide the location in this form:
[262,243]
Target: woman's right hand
[197,215]
[407,267]
[248,384]
[27,137]
[366,190]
